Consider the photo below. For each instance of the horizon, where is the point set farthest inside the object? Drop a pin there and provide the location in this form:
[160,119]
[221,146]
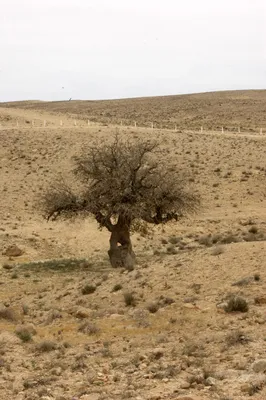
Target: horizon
[136,97]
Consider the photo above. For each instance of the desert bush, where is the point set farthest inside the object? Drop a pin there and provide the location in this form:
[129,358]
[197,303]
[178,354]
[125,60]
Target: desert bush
[46,346]
[235,337]
[117,287]
[88,289]
[24,334]
[153,307]
[89,328]
[236,304]
[205,240]
[129,299]
[253,229]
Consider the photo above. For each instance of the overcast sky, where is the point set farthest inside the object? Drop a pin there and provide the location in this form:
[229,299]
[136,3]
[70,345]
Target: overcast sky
[96,49]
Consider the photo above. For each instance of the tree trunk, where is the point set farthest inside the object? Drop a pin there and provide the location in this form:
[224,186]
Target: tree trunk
[121,253]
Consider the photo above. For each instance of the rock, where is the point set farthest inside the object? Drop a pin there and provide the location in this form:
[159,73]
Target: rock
[82,313]
[157,353]
[210,381]
[260,300]
[188,398]
[91,396]
[184,385]
[259,366]
[13,251]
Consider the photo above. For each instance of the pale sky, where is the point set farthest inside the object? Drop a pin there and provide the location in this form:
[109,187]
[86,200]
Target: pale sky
[97,49]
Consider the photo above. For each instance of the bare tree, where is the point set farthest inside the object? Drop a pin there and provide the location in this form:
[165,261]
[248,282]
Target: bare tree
[122,182]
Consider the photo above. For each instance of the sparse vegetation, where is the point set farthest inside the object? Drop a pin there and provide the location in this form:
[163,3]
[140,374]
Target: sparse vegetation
[123,182]
[24,334]
[46,346]
[236,304]
[130,299]
[88,289]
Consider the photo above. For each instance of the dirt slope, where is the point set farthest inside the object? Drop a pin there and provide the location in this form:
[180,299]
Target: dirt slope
[176,341]
[230,109]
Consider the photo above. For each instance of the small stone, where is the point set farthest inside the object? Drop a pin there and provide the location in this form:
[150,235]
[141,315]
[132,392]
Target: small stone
[210,381]
[259,366]
[184,385]
[82,313]
[13,251]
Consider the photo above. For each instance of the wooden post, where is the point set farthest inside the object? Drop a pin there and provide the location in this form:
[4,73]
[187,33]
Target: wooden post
[222,129]
[75,123]
[135,124]
[152,125]
[61,123]
[88,122]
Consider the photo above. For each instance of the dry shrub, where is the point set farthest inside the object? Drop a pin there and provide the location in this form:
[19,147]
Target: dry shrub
[89,328]
[8,313]
[236,304]
[46,346]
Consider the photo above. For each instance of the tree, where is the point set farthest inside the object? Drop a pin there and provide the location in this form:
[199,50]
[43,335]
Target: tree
[122,182]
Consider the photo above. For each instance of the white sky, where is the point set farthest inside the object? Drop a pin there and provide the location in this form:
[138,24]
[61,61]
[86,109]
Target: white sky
[95,49]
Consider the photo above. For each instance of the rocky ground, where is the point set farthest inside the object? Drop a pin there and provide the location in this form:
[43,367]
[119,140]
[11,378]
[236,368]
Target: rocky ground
[187,323]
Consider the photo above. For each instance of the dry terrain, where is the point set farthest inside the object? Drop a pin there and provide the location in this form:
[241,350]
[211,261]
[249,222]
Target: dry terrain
[190,321]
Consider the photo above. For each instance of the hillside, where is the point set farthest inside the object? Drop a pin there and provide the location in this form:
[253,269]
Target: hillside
[230,109]
[67,328]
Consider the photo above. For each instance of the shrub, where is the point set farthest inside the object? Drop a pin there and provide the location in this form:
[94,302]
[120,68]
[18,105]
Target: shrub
[24,334]
[235,337]
[89,328]
[236,303]
[129,299]
[117,287]
[88,289]
[46,346]
[153,307]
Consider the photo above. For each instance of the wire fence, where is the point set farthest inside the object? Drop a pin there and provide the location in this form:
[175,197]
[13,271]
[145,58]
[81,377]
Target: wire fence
[74,123]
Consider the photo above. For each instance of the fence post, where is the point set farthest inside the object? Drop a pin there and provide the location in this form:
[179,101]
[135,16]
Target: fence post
[152,125]
[222,129]
[61,123]
[75,123]
[88,122]
[135,124]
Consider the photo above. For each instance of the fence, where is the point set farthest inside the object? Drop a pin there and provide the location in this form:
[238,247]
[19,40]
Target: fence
[69,124]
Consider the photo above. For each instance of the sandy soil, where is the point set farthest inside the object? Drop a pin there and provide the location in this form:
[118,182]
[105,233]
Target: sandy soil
[176,341]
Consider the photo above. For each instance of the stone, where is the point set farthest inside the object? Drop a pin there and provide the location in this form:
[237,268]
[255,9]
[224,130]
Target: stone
[184,385]
[13,251]
[82,313]
[210,381]
[259,366]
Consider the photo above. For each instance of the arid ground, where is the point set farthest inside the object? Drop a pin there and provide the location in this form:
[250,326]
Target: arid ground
[190,321]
